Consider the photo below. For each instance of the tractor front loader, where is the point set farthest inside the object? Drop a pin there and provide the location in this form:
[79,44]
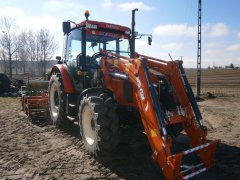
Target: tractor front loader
[163,110]
[99,75]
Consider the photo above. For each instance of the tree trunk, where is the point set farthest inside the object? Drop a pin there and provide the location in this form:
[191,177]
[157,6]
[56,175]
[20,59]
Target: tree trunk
[16,66]
[5,67]
[10,65]
[24,66]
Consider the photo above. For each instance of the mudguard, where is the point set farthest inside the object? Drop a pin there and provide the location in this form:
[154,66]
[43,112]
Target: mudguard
[67,80]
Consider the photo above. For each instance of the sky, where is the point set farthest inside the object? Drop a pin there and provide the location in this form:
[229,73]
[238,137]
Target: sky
[172,23]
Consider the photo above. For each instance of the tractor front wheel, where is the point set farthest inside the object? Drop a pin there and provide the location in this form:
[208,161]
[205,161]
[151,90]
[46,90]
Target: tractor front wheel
[98,124]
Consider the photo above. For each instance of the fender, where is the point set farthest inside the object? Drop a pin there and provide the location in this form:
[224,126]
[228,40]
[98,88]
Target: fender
[67,80]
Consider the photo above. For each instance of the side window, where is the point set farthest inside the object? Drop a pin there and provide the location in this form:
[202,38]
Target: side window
[65,42]
[124,47]
[72,46]
[121,45]
[74,49]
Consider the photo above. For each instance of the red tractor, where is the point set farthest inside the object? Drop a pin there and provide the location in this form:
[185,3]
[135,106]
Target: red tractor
[101,73]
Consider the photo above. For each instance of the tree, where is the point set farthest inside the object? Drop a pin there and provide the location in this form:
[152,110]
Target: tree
[8,39]
[23,49]
[32,46]
[25,46]
[32,41]
[39,47]
[3,57]
[45,47]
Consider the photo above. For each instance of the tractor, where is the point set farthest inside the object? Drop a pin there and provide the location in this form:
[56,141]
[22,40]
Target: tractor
[100,73]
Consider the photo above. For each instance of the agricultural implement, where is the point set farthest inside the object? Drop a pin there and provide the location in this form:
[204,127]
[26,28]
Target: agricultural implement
[35,99]
[99,77]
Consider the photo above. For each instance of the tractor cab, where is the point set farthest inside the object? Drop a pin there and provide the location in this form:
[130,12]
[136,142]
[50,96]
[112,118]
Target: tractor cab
[83,44]
[84,41]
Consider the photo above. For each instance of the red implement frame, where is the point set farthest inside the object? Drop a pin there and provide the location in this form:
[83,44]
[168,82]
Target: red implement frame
[35,104]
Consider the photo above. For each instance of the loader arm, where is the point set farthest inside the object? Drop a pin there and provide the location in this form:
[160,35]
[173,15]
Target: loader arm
[141,72]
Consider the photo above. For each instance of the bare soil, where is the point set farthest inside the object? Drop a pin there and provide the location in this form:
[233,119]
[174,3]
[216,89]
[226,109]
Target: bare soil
[223,82]
[35,150]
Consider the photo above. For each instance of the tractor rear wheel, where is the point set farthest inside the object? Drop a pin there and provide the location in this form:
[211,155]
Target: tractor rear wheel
[56,100]
[98,124]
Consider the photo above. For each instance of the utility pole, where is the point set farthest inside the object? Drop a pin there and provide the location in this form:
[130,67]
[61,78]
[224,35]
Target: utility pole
[199,48]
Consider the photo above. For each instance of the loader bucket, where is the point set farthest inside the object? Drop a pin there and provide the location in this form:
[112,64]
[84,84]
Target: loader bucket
[204,152]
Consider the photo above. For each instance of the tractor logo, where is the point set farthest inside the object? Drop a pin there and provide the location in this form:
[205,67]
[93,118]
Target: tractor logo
[140,88]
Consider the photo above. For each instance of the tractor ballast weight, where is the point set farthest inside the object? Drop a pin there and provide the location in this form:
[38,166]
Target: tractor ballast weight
[91,88]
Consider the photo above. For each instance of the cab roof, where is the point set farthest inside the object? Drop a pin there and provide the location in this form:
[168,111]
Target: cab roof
[104,26]
[101,31]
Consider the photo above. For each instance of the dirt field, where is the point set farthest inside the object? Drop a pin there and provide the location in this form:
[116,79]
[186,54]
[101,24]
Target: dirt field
[223,82]
[35,150]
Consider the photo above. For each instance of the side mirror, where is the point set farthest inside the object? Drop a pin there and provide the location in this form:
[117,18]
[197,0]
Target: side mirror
[58,58]
[66,27]
[149,40]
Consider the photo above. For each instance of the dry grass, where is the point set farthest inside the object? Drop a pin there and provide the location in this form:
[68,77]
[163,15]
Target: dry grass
[8,102]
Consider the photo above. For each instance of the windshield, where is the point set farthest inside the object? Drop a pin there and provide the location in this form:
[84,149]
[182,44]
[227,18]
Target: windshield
[119,46]
[115,43]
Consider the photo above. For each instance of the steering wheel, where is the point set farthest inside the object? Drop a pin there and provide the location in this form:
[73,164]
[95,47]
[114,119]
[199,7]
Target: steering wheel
[95,57]
[78,56]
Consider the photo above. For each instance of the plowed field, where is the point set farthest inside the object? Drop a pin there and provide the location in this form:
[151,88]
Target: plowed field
[36,150]
[224,82]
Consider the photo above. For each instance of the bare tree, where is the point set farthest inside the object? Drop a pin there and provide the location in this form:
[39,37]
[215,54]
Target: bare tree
[32,46]
[8,39]
[37,47]
[3,57]
[38,53]
[46,46]
[23,49]
[26,46]
[32,50]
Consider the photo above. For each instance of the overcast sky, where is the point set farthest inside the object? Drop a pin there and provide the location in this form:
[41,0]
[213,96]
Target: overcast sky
[173,24]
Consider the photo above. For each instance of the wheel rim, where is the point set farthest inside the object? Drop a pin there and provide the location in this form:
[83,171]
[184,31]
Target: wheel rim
[88,125]
[54,100]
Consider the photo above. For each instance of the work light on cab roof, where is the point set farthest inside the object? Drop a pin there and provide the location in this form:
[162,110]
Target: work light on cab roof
[86,14]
